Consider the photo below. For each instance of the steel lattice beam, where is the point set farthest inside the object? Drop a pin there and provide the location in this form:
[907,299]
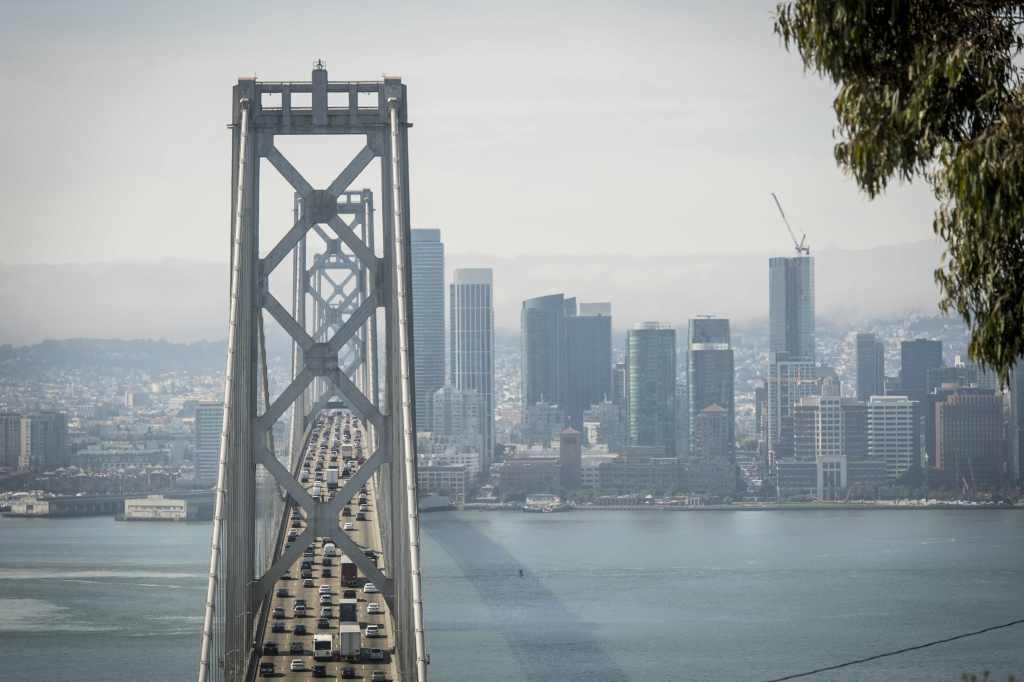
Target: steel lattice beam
[335,353]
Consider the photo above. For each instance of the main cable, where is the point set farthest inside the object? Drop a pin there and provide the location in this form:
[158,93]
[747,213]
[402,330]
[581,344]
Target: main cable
[897,652]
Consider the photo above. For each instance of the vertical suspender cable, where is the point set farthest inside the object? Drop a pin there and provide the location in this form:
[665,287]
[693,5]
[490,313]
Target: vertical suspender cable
[405,400]
[218,511]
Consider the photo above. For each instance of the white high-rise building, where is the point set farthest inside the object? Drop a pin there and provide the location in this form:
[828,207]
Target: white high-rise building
[206,456]
[471,317]
[891,432]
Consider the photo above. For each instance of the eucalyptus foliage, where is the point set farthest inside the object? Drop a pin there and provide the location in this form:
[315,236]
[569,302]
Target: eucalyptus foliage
[933,89]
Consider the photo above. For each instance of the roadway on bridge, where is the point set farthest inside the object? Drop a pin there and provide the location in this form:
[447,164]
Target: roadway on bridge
[328,439]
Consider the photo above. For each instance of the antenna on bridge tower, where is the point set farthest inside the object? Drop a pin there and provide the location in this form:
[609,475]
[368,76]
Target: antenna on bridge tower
[801,246]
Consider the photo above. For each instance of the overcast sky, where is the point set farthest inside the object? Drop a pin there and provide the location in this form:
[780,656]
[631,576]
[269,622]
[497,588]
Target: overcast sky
[590,127]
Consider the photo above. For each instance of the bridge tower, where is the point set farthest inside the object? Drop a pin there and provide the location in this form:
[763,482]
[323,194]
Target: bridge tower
[337,357]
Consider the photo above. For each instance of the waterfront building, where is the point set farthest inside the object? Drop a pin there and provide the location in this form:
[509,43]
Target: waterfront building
[870,359]
[43,441]
[209,422]
[639,475]
[570,459]
[710,375]
[891,433]
[160,508]
[525,475]
[10,439]
[470,461]
[544,347]
[589,359]
[970,450]
[788,382]
[471,318]
[710,467]
[440,479]
[427,271]
[650,385]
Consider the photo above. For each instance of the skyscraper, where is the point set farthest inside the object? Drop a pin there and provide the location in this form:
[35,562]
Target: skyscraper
[651,385]
[791,307]
[791,352]
[208,424]
[870,366]
[427,258]
[471,318]
[710,374]
[916,358]
[544,347]
[589,357]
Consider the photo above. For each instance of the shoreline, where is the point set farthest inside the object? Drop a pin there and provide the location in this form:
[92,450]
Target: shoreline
[768,507]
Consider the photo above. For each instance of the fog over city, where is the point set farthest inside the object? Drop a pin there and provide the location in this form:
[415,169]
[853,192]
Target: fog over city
[595,128]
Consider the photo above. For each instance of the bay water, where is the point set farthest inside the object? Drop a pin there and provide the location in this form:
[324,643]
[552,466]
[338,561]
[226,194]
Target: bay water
[602,596]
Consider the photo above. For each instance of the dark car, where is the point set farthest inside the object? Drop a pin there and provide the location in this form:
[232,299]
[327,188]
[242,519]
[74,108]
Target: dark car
[307,574]
[323,624]
[319,670]
[326,573]
[348,673]
[278,627]
[295,648]
[270,648]
[266,668]
[346,511]
[282,592]
[349,594]
[360,516]
[299,629]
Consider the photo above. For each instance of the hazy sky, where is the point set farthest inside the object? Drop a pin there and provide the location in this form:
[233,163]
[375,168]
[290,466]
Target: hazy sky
[587,127]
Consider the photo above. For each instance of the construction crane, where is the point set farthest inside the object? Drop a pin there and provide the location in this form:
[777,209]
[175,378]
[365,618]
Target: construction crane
[800,246]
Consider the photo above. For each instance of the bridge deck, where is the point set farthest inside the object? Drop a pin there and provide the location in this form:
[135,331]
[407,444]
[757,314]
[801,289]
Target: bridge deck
[366,534]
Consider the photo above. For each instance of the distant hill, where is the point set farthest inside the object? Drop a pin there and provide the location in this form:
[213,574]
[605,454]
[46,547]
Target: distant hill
[183,300]
[146,355]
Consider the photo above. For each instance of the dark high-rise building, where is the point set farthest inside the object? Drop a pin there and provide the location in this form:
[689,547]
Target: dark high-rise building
[427,259]
[471,319]
[855,429]
[870,366]
[650,386]
[619,383]
[10,439]
[916,358]
[44,441]
[710,373]
[791,308]
[1016,464]
[544,349]
[969,439]
[570,459]
[589,357]
[791,353]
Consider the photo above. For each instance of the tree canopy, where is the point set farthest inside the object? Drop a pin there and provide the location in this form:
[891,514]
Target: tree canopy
[933,89]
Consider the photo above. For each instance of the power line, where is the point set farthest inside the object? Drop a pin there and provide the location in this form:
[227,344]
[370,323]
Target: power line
[898,651]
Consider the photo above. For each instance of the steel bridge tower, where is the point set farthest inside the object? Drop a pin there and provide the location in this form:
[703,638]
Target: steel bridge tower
[359,333]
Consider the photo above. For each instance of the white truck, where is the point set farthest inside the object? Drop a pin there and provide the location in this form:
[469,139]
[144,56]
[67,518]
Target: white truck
[350,641]
[331,476]
[330,549]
